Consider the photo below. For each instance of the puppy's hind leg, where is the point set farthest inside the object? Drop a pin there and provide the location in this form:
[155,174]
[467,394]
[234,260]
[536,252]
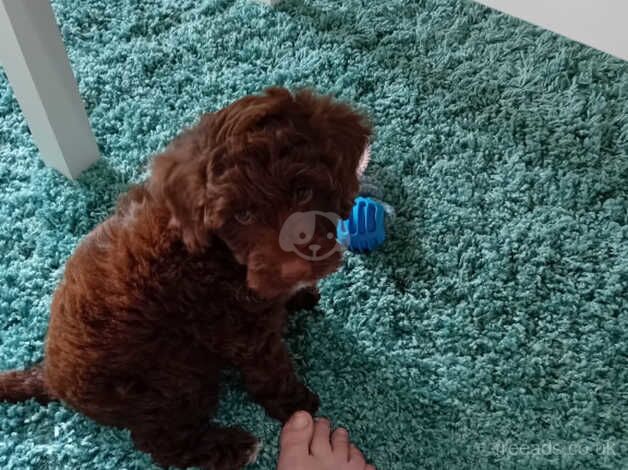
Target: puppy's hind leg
[204,445]
[178,432]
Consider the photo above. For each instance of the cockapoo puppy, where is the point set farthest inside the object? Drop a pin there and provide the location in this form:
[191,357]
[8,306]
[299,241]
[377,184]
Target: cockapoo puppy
[197,271]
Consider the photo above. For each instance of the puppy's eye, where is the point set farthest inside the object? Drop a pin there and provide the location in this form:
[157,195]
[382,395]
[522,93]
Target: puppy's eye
[245,217]
[303,195]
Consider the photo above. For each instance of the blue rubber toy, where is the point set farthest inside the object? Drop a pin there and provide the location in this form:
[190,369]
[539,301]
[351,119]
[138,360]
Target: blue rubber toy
[365,229]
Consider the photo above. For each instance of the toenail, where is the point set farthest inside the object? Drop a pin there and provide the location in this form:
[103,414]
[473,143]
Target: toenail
[300,420]
[342,431]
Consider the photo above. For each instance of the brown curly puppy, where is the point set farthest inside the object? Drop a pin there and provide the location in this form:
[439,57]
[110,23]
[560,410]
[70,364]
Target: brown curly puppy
[188,276]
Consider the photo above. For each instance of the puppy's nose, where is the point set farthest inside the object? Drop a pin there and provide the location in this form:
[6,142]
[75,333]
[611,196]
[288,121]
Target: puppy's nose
[295,269]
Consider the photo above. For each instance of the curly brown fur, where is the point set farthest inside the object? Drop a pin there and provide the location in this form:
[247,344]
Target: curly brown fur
[187,277]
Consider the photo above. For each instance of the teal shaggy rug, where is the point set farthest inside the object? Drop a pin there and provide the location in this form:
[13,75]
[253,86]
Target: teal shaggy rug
[491,331]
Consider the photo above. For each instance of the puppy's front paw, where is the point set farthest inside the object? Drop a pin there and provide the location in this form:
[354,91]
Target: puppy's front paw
[304,299]
[309,402]
[303,399]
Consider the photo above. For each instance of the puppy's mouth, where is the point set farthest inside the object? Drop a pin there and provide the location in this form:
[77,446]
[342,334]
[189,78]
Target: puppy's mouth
[283,279]
[272,292]
[267,285]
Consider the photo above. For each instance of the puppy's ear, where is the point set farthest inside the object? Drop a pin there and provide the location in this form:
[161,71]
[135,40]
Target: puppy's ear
[344,135]
[181,180]
[348,137]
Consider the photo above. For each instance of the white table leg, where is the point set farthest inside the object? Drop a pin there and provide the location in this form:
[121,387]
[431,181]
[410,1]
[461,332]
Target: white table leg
[34,59]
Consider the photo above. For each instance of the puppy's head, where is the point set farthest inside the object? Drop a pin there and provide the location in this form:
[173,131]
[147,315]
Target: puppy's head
[269,175]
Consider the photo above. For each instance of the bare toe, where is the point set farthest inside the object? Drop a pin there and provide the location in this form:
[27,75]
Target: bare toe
[308,444]
[356,458]
[340,444]
[321,445]
[295,440]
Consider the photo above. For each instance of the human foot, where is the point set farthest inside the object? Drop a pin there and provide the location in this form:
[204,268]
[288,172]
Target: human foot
[309,445]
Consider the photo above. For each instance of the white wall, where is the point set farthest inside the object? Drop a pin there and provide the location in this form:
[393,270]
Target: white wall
[602,24]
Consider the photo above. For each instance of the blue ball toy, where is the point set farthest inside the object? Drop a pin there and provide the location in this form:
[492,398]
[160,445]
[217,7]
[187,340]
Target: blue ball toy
[365,229]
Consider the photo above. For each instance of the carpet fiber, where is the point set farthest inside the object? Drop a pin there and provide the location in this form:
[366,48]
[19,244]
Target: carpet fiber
[491,331]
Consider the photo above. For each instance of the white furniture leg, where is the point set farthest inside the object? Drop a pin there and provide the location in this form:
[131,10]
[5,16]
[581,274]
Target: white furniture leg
[34,59]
